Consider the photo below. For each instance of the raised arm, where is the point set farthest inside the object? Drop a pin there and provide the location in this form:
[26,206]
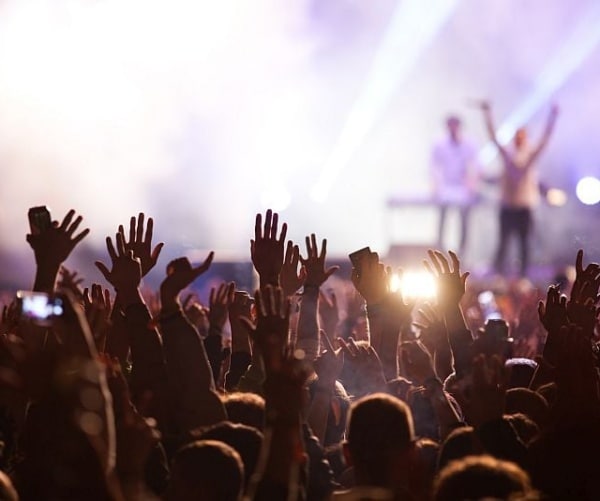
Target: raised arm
[550,123]
[190,375]
[486,107]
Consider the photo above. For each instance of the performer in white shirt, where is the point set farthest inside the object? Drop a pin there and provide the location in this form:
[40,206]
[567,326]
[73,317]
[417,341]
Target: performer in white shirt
[520,187]
[454,174]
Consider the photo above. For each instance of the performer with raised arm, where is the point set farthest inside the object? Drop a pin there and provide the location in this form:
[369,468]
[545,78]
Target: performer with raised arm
[519,186]
[454,175]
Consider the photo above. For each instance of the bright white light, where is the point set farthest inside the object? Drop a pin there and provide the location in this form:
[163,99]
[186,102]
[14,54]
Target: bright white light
[588,190]
[276,197]
[414,284]
[413,26]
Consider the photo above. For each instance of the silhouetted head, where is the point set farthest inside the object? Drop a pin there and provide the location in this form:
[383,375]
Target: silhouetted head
[380,440]
[245,408]
[207,470]
[453,124]
[482,477]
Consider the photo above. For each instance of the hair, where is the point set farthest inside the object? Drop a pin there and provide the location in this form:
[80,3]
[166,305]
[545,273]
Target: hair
[246,440]
[379,426]
[481,477]
[525,427]
[521,372]
[245,408]
[208,470]
[528,402]
[458,444]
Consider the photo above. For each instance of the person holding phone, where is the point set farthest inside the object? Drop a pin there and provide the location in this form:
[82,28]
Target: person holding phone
[519,186]
[454,175]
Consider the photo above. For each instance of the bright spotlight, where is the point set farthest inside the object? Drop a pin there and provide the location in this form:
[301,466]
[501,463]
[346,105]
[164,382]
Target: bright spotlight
[588,190]
[414,284]
[556,197]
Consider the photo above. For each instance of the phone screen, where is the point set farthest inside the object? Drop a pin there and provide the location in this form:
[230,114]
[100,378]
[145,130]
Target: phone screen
[39,307]
[39,219]
[357,257]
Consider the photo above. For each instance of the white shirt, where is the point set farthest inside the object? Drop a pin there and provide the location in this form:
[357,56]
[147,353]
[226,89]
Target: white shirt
[453,167]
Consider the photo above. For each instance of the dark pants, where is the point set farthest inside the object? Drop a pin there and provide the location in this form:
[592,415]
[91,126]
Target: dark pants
[517,222]
[463,211]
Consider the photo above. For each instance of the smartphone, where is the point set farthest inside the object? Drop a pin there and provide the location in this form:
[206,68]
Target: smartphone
[357,257]
[488,305]
[39,308]
[39,219]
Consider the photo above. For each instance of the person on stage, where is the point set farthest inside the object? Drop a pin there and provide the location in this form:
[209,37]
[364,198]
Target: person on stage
[454,174]
[519,187]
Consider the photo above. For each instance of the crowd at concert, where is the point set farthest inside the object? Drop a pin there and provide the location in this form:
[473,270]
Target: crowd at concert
[364,394]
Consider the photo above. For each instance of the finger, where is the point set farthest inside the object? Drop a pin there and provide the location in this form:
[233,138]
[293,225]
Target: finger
[455,262]
[131,230]
[111,249]
[283,234]
[274,222]
[211,297]
[206,264]
[323,249]
[344,346]
[444,262]
[149,231]
[156,251]
[139,236]
[313,244]
[107,300]
[308,250]
[289,252]
[120,245]
[331,271]
[434,261]
[257,227]
[429,268]
[579,262]
[74,226]
[295,257]
[67,220]
[80,237]
[268,221]
[103,269]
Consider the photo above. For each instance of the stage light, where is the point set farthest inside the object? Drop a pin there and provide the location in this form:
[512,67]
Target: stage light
[413,26]
[588,190]
[556,197]
[414,284]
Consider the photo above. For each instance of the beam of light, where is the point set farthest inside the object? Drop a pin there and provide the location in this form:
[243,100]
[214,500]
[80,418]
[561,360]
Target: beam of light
[573,52]
[413,26]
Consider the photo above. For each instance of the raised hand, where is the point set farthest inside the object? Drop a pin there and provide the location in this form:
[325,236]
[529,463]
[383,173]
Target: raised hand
[266,249]
[366,366]
[451,284]
[329,312]
[553,313]
[270,333]
[70,280]
[291,279]
[53,246]
[219,302]
[587,280]
[97,307]
[314,263]
[432,327]
[486,398]
[417,362]
[581,309]
[126,271]
[371,281]
[9,320]
[141,244]
[240,307]
[329,364]
[180,274]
